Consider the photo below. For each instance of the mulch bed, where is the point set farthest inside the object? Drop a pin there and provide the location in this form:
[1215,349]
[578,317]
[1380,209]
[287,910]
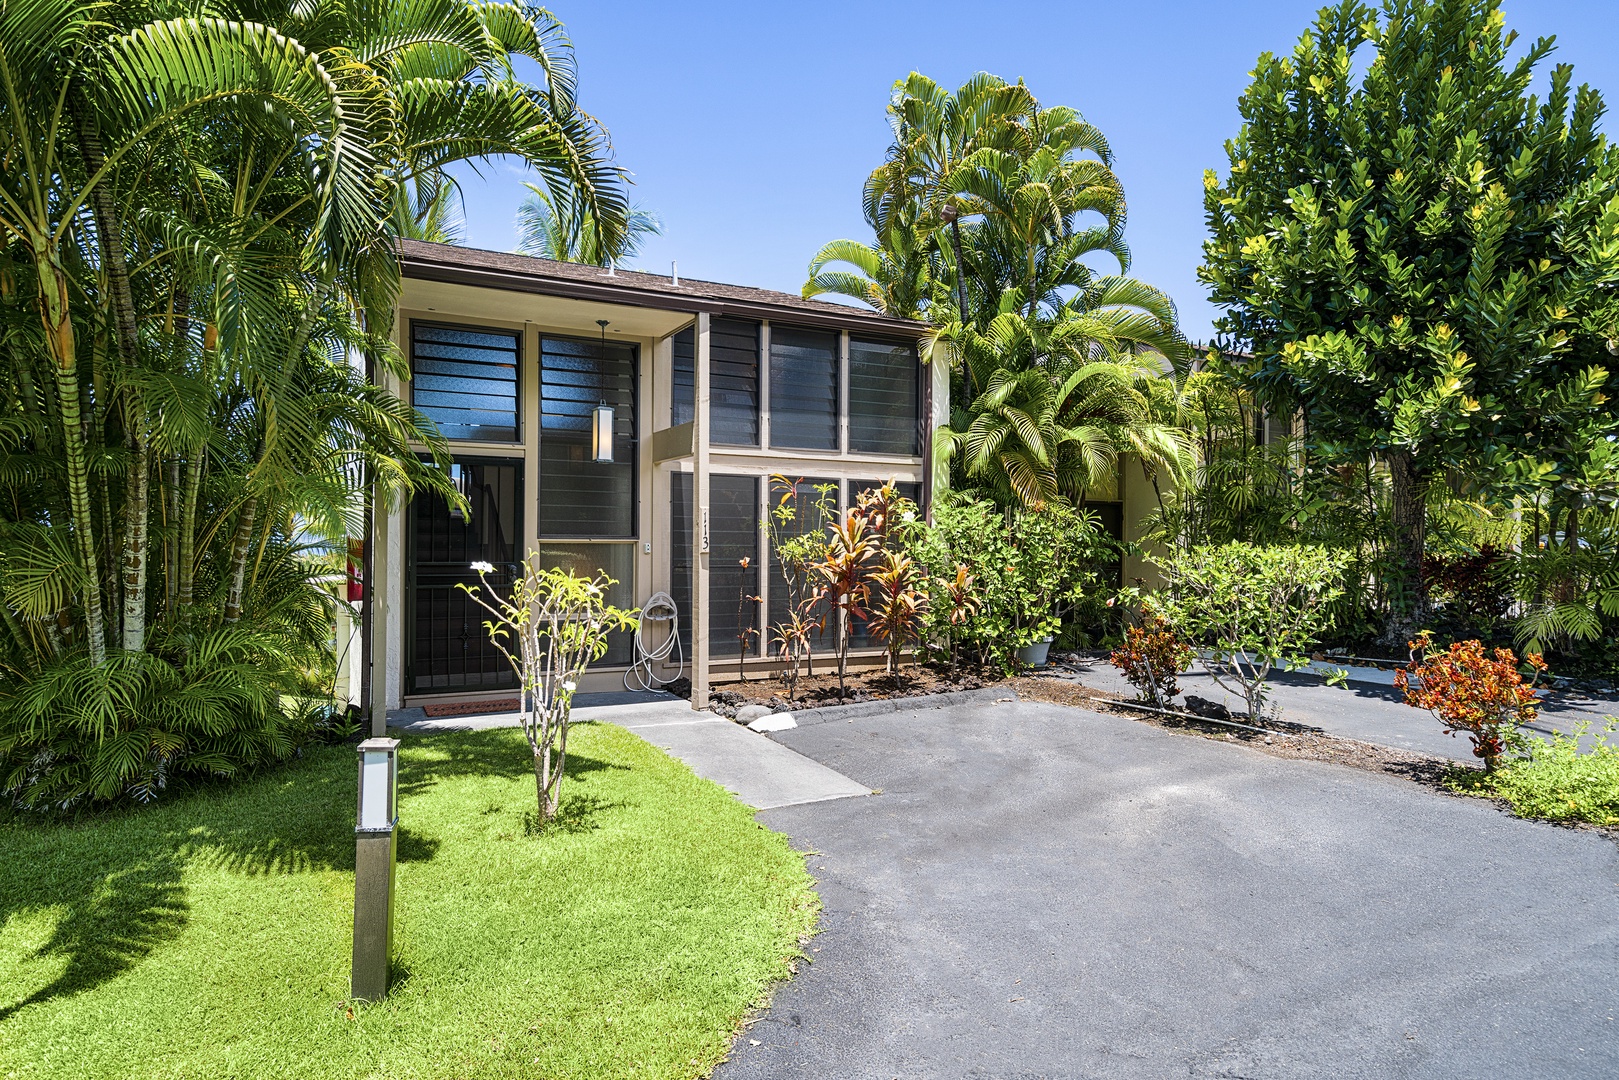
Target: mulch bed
[822,689]
[1281,739]
[1278,737]
[472,708]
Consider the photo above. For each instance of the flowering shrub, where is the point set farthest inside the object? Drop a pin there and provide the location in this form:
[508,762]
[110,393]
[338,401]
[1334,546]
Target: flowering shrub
[551,626]
[1470,692]
[1151,657]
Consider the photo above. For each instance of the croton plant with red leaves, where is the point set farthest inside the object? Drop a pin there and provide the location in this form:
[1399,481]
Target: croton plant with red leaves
[1486,697]
[1151,657]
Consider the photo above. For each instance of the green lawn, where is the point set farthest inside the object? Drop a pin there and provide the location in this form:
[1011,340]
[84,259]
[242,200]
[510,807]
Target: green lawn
[209,937]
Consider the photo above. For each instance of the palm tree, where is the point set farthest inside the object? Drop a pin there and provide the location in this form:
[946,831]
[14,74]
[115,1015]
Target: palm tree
[899,278]
[1064,396]
[557,225]
[934,131]
[221,195]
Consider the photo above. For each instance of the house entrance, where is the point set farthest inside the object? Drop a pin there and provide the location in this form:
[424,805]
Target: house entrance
[449,648]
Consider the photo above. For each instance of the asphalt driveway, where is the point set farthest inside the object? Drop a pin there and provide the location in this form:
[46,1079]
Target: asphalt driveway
[1041,891]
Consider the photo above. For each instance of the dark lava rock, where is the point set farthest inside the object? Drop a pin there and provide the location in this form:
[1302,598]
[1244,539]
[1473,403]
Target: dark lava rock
[1213,710]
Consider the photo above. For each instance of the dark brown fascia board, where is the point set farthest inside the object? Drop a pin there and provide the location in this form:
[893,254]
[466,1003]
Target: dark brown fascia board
[483,277]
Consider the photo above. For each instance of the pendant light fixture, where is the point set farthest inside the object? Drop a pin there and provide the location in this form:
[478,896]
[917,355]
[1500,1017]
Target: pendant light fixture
[601,419]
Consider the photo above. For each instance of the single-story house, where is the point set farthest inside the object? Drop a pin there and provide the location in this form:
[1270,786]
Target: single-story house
[629,422]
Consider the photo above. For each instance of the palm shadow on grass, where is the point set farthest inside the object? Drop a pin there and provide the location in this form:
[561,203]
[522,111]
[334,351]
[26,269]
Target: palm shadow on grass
[118,880]
[111,923]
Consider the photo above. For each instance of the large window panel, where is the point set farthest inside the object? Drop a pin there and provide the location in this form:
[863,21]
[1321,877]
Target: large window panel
[733,535]
[465,380]
[907,489]
[860,635]
[885,398]
[803,388]
[807,518]
[733,383]
[581,497]
[617,561]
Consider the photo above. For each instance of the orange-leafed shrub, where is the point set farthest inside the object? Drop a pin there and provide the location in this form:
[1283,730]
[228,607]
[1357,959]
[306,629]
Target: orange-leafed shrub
[1486,697]
[1150,658]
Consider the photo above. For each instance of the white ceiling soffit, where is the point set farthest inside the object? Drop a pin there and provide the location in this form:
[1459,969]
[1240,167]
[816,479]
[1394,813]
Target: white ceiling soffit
[470,303]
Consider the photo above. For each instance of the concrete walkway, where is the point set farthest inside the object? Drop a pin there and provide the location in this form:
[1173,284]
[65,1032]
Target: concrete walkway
[761,773]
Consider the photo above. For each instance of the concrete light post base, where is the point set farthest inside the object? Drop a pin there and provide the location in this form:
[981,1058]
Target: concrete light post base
[376,847]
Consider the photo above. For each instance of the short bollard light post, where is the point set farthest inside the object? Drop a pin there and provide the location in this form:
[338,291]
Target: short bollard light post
[375,847]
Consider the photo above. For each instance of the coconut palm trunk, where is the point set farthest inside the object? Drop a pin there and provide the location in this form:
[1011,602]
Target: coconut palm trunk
[53,295]
[241,544]
[132,556]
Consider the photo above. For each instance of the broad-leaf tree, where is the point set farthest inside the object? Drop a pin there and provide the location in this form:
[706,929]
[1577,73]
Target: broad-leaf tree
[1420,254]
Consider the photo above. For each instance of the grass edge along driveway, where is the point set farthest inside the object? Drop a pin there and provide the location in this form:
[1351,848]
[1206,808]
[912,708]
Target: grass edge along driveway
[209,936]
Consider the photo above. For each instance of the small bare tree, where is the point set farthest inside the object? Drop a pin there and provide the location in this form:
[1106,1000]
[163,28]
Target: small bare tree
[553,626]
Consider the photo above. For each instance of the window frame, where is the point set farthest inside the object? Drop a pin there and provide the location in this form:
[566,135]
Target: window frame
[634,463]
[519,429]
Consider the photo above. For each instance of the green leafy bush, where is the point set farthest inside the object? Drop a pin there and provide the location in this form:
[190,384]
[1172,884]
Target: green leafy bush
[212,704]
[1251,607]
[1556,781]
[1028,568]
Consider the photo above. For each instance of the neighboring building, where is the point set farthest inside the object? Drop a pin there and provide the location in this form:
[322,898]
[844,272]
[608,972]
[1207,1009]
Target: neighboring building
[713,388]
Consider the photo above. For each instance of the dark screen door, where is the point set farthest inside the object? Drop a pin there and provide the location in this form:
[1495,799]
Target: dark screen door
[449,645]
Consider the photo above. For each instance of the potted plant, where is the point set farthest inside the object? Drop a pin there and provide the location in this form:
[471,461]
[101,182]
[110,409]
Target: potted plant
[1054,548]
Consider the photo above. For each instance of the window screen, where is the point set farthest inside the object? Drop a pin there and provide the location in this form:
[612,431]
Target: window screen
[884,399]
[465,380]
[680,526]
[733,390]
[807,517]
[803,388]
[682,407]
[580,496]
[733,534]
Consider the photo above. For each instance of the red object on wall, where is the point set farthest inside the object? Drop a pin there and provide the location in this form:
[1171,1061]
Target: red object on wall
[356,559]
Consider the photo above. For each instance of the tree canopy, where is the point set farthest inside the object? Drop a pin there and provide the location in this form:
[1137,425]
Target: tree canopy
[1420,254]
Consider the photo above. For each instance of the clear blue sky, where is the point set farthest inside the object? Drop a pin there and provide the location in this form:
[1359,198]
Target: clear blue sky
[750,127]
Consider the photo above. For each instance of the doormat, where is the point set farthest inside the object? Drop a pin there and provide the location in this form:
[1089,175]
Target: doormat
[472,708]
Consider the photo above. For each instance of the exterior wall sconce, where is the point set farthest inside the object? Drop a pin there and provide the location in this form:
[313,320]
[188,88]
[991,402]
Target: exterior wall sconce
[601,418]
[376,848]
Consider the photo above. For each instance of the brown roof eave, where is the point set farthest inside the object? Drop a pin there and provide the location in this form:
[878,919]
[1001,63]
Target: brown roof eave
[597,292]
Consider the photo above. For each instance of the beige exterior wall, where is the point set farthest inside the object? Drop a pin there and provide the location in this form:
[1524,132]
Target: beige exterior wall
[534,316]
[1139,500]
